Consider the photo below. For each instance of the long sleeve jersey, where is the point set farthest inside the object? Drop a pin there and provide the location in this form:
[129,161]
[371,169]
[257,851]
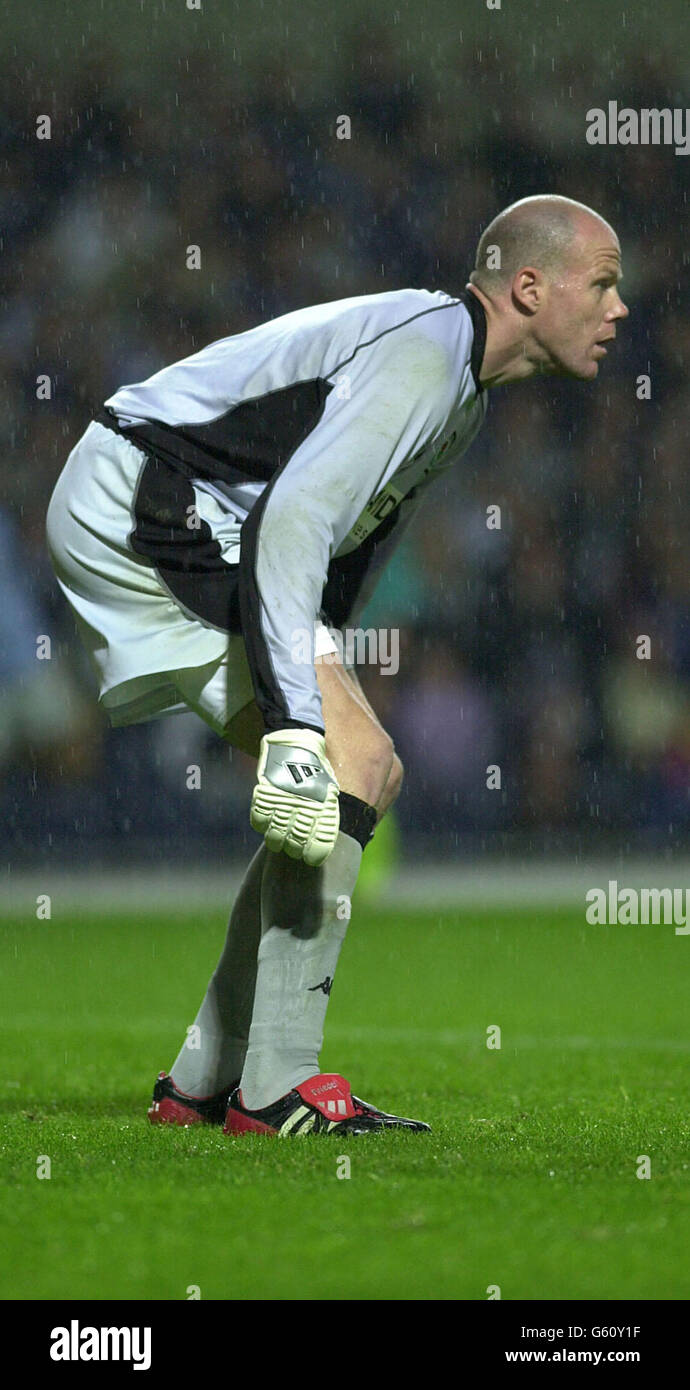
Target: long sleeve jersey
[322,430]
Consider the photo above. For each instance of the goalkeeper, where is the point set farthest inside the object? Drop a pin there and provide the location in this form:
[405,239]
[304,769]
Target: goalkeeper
[216,529]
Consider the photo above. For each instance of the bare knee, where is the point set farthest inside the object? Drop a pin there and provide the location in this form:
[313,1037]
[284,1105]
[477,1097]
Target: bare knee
[364,769]
[358,747]
[393,787]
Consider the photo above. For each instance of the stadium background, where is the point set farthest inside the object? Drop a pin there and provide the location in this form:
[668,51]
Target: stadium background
[217,128]
[517,646]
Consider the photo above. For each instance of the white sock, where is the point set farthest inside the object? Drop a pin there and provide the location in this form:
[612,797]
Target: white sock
[304,914]
[213,1053]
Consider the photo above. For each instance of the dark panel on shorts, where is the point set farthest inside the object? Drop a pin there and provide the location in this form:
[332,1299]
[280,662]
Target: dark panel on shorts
[187,558]
[250,442]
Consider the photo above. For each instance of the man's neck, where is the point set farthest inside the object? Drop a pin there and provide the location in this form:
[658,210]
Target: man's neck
[506,355]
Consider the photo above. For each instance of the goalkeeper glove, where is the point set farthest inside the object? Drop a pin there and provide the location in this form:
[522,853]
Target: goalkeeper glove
[295,800]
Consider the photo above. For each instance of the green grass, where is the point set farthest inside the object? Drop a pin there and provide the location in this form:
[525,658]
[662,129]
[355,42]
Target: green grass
[528,1181]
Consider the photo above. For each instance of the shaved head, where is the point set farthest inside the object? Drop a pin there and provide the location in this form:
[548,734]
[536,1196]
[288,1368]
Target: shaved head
[547,275]
[540,232]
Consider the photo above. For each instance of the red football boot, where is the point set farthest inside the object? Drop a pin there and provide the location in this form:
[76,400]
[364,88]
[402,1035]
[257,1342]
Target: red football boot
[322,1105]
[172,1107]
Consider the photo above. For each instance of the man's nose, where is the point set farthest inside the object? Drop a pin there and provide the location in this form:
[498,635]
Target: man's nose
[620,310]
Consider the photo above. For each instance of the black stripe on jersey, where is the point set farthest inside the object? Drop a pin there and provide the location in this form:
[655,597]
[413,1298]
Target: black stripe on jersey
[347,573]
[170,443]
[302,415]
[477,313]
[247,443]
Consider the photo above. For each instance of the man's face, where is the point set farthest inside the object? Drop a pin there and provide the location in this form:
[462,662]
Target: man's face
[582,306]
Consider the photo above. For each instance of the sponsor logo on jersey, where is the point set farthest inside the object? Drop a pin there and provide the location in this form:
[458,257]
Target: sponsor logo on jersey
[406,477]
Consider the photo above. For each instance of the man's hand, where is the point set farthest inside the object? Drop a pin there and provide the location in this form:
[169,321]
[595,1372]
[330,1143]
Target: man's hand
[295,801]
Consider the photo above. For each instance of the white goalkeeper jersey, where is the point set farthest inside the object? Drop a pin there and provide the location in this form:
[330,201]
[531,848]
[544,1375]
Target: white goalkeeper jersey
[321,431]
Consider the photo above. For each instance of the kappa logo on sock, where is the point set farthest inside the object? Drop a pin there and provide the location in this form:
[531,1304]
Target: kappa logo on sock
[326,985]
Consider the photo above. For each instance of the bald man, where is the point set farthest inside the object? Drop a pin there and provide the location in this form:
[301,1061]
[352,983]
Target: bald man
[219,527]
[547,274]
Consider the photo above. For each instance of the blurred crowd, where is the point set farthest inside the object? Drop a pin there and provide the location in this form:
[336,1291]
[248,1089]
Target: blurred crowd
[519,642]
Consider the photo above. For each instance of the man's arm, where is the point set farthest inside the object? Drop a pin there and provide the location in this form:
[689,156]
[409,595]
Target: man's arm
[400,396]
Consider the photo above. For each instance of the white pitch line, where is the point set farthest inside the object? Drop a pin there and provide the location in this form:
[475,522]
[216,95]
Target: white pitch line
[518,1042]
[458,1038]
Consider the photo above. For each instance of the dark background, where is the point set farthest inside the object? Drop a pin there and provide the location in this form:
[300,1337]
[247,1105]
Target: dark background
[218,128]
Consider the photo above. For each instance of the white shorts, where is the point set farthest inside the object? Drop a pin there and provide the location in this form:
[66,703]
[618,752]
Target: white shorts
[151,655]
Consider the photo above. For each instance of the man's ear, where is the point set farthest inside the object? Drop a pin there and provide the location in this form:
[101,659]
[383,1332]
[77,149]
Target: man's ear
[528,289]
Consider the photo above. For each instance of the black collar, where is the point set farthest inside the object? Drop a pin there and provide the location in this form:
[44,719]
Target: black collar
[477,313]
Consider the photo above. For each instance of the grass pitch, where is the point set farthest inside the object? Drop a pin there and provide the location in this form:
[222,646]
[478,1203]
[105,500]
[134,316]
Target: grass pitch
[529,1181]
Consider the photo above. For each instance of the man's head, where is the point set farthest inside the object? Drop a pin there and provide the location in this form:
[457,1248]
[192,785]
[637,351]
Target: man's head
[552,266]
